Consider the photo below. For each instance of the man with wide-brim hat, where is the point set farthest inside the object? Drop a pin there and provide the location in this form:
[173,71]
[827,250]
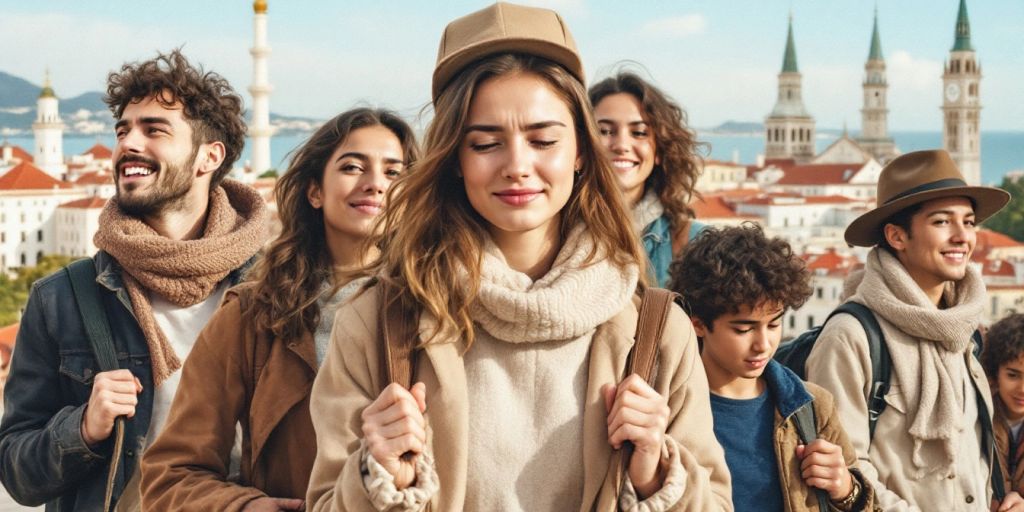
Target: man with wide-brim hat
[928,450]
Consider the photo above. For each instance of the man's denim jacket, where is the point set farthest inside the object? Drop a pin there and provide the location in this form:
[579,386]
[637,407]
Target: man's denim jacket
[43,458]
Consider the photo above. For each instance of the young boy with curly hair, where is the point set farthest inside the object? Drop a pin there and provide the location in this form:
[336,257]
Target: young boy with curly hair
[1003,360]
[737,284]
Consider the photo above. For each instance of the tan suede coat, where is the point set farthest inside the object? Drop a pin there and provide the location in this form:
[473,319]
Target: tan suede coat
[796,495]
[350,380]
[187,466]
[1013,480]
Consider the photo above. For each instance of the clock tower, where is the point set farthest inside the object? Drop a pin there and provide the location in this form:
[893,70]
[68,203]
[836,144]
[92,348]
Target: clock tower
[961,103]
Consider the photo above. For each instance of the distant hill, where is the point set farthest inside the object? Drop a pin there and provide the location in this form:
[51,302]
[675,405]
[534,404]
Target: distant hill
[17,92]
[738,127]
[18,111]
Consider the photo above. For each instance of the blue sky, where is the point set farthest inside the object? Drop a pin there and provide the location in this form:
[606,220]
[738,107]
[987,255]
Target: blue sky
[718,58]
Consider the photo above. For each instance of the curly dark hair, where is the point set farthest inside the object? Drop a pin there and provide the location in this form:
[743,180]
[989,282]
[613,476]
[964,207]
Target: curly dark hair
[211,107]
[1004,343]
[676,176]
[726,268]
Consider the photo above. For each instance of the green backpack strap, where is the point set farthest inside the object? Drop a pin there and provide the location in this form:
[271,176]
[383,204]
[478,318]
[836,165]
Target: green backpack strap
[807,429]
[82,274]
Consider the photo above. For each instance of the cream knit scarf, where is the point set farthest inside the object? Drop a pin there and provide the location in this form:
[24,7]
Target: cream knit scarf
[929,368]
[568,302]
[647,210]
[184,272]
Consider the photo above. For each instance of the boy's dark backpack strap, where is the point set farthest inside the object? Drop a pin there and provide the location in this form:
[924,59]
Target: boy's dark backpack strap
[82,274]
[398,350]
[881,361]
[807,428]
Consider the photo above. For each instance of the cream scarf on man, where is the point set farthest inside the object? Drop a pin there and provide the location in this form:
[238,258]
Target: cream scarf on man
[929,370]
[184,272]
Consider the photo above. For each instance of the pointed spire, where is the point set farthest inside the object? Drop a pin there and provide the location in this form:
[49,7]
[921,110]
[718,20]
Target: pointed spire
[876,41]
[789,61]
[963,30]
[47,91]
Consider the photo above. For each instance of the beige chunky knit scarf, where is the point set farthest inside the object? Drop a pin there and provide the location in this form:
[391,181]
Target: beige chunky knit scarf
[928,359]
[184,272]
[647,210]
[568,302]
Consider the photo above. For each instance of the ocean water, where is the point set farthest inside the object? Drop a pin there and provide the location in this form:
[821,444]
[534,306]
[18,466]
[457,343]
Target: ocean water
[1000,151]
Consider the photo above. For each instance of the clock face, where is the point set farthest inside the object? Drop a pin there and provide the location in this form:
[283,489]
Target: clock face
[952,92]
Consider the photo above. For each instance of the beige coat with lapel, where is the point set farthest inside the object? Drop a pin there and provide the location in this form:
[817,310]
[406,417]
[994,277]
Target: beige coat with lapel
[350,380]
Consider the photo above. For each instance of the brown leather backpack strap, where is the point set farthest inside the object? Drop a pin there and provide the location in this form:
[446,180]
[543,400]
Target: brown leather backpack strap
[655,305]
[398,345]
[643,357]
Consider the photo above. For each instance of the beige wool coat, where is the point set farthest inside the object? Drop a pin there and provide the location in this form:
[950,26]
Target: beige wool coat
[350,380]
[840,363]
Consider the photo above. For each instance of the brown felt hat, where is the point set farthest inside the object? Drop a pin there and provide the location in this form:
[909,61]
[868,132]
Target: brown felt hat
[914,178]
[504,28]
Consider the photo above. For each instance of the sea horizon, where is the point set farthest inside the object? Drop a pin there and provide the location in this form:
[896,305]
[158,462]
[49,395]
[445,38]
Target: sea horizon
[1002,151]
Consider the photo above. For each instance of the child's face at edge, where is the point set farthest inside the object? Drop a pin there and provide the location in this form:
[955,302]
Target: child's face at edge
[1010,387]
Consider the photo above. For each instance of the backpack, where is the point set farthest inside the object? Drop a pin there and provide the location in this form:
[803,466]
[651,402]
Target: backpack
[398,355]
[82,274]
[793,354]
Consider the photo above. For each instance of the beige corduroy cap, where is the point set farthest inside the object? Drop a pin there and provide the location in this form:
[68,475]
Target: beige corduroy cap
[504,28]
[914,178]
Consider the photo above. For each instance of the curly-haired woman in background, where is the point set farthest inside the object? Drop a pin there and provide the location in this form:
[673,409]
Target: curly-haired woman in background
[655,158]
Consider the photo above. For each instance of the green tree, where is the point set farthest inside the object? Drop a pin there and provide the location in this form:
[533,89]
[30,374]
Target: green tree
[14,291]
[1010,221]
[269,173]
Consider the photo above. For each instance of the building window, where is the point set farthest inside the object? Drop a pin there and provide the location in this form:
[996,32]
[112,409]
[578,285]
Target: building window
[792,321]
[39,235]
[23,259]
[39,257]
[3,238]
[23,237]
[820,292]
[810,321]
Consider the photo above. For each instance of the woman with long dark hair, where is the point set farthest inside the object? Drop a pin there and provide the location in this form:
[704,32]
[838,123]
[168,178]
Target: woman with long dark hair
[655,155]
[254,363]
[512,249]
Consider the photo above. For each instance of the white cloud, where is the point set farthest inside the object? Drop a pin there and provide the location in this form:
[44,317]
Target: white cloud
[918,75]
[677,26]
[563,7]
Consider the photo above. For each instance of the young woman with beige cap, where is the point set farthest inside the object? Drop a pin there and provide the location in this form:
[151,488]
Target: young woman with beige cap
[513,247]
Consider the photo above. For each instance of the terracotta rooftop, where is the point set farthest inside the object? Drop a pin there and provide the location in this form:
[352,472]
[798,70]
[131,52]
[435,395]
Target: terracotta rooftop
[26,176]
[21,154]
[99,152]
[712,207]
[86,203]
[710,161]
[8,335]
[95,178]
[799,200]
[818,174]
[998,268]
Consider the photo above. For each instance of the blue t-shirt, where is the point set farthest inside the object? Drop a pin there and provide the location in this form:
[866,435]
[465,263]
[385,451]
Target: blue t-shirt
[745,428]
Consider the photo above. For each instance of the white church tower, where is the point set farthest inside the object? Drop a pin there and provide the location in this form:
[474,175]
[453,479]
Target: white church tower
[259,126]
[874,127]
[49,133]
[961,102]
[789,129]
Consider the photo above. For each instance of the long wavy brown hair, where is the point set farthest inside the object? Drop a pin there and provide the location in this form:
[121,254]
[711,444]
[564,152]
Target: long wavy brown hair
[674,178]
[432,238]
[291,273]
